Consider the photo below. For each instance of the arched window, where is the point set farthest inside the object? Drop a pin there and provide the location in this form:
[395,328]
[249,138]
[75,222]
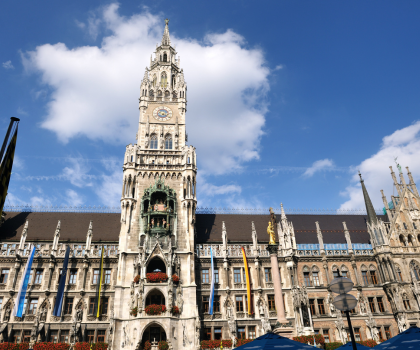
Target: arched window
[410,240]
[173,80]
[153,141]
[168,142]
[307,276]
[416,271]
[402,241]
[345,272]
[154,80]
[167,94]
[163,80]
[315,276]
[336,272]
[165,57]
[373,276]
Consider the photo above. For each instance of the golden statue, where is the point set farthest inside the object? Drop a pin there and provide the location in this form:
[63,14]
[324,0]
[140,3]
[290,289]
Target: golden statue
[270,231]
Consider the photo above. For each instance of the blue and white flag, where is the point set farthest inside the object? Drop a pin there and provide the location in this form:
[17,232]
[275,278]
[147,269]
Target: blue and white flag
[20,299]
[60,292]
[212,284]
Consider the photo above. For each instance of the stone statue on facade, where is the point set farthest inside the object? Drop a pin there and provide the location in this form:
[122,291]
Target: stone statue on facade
[6,315]
[402,323]
[266,326]
[341,329]
[179,300]
[184,334]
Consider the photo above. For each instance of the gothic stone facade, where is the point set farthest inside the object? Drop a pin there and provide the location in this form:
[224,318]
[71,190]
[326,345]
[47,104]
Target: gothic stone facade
[159,230]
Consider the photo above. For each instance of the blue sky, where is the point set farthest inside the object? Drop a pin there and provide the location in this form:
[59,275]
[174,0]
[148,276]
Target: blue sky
[287,99]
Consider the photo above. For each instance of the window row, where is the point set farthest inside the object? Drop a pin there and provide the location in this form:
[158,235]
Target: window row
[154,142]
[36,276]
[30,305]
[243,332]
[312,278]
[58,336]
[241,303]
[239,275]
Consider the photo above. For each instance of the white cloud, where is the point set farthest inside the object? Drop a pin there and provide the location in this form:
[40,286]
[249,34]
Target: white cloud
[8,65]
[95,88]
[21,111]
[109,190]
[319,165]
[279,66]
[73,198]
[404,144]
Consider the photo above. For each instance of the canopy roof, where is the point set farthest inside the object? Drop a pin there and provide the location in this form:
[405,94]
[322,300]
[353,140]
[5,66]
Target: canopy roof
[410,339]
[271,341]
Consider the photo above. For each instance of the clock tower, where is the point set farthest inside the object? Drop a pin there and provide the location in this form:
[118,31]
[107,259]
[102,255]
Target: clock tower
[158,205]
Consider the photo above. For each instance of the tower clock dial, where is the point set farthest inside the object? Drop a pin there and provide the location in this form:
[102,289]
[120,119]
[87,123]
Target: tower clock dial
[162,113]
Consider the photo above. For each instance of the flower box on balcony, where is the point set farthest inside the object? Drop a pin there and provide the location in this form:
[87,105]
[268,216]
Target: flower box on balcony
[155,309]
[156,277]
[175,310]
[175,278]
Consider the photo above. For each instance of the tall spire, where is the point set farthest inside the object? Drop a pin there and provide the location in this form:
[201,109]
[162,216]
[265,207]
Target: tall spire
[369,207]
[166,40]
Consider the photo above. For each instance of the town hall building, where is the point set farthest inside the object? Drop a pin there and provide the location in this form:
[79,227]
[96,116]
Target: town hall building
[157,271]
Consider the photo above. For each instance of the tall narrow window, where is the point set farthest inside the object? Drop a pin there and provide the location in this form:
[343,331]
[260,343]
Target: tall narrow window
[26,336]
[239,303]
[95,279]
[372,304]
[357,334]
[205,275]
[387,332]
[271,303]
[237,275]
[365,278]
[406,302]
[153,141]
[373,277]
[33,303]
[251,332]
[241,333]
[64,336]
[307,279]
[73,277]
[217,333]
[100,338]
[312,306]
[54,336]
[38,277]
[321,306]
[107,276]
[4,275]
[154,83]
[207,333]
[165,57]
[163,80]
[216,303]
[399,274]
[168,142]
[216,276]
[91,336]
[68,306]
[380,304]
[326,334]
[336,273]
[315,277]
[268,277]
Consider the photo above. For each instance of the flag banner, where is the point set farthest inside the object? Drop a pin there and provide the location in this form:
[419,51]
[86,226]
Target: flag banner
[248,283]
[20,299]
[60,292]
[212,284]
[97,310]
[6,170]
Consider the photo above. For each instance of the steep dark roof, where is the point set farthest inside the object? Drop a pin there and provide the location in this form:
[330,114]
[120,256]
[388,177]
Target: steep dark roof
[238,227]
[74,226]
[106,227]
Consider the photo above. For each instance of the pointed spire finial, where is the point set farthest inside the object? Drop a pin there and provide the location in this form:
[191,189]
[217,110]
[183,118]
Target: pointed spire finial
[369,206]
[165,38]
[283,214]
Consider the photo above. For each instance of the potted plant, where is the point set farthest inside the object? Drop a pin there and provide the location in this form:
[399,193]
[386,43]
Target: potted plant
[175,310]
[137,279]
[175,278]
[133,311]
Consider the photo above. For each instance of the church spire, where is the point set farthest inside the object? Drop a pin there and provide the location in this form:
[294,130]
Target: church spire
[166,40]
[372,219]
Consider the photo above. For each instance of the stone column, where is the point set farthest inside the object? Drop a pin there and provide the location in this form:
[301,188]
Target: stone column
[355,273]
[278,291]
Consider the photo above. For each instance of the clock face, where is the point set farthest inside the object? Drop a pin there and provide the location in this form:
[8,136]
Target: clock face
[162,113]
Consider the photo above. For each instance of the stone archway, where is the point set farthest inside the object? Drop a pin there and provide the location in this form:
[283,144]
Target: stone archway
[153,331]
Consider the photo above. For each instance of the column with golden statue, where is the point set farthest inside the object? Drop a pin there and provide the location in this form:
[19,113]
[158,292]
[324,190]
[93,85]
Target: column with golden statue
[283,326]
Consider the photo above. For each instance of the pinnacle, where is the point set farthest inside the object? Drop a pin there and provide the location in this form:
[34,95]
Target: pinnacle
[369,206]
[166,40]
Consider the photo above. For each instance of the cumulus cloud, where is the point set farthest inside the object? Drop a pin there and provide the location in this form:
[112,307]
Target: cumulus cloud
[319,165]
[95,88]
[73,198]
[110,187]
[404,144]
[8,65]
